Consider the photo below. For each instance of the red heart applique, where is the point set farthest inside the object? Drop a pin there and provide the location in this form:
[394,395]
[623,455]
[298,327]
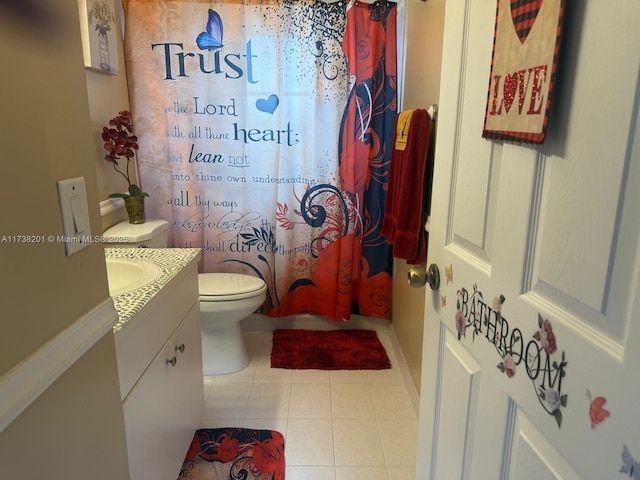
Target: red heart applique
[509,90]
[523,14]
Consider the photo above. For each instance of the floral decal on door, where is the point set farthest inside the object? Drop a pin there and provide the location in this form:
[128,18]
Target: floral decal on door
[540,357]
[449,273]
[549,396]
[597,412]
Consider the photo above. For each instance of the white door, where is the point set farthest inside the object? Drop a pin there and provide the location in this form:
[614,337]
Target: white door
[538,253]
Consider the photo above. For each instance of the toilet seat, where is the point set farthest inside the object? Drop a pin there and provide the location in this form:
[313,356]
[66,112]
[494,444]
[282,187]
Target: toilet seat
[220,287]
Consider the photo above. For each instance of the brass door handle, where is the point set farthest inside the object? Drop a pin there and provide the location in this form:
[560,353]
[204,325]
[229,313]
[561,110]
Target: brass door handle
[418,277]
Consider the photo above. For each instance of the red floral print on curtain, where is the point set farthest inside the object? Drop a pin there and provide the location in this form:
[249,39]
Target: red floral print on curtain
[353,273]
[366,144]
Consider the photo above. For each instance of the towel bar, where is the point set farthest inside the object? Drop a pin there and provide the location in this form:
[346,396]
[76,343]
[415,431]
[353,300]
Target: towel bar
[433,112]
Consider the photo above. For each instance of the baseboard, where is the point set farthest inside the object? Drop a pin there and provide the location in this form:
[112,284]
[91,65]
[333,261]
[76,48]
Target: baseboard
[406,375]
[29,379]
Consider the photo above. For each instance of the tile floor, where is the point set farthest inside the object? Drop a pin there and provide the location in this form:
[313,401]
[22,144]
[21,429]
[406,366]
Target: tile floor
[338,425]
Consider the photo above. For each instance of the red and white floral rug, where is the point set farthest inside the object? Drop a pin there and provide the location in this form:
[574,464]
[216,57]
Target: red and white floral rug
[234,453]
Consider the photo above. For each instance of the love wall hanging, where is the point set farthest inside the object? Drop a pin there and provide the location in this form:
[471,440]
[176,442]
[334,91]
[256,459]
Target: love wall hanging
[523,69]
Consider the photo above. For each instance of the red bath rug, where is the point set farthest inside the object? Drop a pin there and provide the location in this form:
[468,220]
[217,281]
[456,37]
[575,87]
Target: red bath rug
[223,453]
[328,350]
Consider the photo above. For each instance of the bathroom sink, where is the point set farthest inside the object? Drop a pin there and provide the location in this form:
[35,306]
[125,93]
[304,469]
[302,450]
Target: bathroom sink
[125,274]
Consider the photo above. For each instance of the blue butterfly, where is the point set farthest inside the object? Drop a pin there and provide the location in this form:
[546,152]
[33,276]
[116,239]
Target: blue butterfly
[629,465]
[212,38]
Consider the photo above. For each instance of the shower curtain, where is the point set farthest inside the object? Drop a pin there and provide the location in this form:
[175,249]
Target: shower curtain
[265,133]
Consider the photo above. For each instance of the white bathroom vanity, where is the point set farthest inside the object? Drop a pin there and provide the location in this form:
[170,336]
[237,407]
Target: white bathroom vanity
[159,354]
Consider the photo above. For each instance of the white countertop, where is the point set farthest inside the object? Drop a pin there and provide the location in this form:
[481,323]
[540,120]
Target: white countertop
[169,260]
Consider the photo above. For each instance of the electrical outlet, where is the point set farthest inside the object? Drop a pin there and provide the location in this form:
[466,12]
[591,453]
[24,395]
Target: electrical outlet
[75,214]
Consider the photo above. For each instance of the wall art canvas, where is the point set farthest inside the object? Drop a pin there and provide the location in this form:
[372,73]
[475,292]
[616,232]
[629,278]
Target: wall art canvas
[523,69]
[99,35]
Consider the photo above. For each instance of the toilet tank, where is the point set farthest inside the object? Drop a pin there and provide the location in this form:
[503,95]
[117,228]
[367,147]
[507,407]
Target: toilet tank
[151,234]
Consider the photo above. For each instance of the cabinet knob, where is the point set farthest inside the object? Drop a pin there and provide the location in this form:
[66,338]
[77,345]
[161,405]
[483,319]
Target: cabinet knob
[172,361]
[180,348]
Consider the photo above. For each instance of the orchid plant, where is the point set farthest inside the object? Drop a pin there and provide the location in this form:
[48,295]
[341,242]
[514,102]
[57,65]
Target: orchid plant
[119,141]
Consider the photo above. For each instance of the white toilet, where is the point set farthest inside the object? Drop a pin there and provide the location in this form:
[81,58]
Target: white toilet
[225,299]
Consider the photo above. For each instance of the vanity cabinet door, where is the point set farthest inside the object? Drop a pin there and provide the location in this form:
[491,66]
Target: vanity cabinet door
[165,407]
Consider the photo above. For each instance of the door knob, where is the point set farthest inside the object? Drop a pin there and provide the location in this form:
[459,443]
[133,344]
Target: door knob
[418,277]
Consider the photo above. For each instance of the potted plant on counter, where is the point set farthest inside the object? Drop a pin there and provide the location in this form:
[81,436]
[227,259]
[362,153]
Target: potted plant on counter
[119,142]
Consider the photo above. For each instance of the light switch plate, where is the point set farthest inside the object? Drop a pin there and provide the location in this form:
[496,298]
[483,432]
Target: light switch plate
[75,214]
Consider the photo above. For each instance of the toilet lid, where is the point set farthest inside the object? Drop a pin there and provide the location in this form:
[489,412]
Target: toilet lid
[218,286]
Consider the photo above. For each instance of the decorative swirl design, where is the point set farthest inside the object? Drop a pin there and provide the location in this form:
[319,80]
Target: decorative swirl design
[240,468]
[318,244]
[315,214]
[333,65]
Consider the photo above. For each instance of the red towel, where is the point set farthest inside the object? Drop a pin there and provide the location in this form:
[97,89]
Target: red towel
[403,222]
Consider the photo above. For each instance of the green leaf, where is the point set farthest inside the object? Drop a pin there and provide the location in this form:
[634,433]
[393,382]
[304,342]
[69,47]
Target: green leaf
[134,190]
[558,415]
[540,321]
[119,195]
